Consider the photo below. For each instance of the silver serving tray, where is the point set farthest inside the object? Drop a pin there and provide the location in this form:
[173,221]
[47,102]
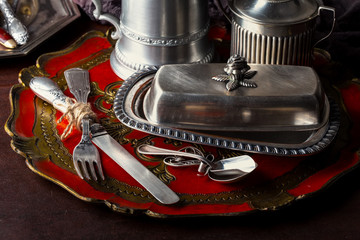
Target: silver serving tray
[128,108]
[42,18]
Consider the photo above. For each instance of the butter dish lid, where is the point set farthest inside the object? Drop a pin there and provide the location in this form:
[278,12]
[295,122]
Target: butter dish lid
[285,98]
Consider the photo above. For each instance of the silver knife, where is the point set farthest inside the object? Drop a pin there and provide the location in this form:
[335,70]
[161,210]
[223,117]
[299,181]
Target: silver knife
[50,92]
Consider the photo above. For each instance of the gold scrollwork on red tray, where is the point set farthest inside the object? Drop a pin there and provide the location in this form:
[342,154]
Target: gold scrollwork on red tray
[264,193]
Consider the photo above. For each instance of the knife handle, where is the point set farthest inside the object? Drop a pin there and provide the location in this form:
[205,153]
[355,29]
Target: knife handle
[49,91]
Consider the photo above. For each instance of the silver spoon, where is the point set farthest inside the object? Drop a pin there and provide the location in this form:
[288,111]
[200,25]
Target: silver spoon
[225,170]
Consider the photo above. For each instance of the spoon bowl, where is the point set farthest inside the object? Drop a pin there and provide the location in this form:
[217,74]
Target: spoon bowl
[230,177]
[232,169]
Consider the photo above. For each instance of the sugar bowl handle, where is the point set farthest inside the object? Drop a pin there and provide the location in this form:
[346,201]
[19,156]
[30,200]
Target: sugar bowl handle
[331,9]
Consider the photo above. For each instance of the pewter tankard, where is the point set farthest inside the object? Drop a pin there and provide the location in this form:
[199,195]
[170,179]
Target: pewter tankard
[275,31]
[158,32]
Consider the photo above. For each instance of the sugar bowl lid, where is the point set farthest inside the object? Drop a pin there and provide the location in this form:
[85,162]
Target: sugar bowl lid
[275,11]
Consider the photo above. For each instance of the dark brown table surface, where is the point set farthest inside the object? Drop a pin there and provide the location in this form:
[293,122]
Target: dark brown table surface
[34,208]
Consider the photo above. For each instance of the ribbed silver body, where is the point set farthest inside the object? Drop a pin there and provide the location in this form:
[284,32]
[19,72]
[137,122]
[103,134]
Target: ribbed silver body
[271,49]
[276,31]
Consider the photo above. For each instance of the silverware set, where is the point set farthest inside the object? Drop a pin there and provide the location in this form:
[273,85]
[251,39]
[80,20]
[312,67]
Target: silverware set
[50,92]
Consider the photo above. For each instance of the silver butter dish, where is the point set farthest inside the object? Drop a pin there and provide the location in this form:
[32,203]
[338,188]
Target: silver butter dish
[129,109]
[276,98]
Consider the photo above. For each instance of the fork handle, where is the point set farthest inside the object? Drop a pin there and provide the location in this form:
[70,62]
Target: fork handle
[85,128]
[49,91]
[78,83]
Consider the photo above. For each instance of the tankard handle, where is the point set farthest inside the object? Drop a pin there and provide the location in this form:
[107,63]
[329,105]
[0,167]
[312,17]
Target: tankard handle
[107,17]
[331,9]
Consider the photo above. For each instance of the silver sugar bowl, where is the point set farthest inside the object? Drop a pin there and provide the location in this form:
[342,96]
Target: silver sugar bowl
[157,32]
[275,31]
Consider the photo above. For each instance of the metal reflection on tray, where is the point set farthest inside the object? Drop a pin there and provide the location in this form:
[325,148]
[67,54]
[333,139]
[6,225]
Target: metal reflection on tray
[42,18]
[128,107]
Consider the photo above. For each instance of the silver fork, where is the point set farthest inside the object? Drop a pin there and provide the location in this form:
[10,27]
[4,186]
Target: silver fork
[85,153]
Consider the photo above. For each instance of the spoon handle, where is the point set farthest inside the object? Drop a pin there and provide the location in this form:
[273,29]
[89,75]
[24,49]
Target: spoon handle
[152,150]
[180,162]
[200,160]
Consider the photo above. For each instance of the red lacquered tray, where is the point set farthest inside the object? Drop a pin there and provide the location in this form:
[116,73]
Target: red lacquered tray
[277,182]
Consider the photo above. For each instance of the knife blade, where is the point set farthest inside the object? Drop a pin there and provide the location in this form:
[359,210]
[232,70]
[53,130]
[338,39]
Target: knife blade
[50,92]
[132,166]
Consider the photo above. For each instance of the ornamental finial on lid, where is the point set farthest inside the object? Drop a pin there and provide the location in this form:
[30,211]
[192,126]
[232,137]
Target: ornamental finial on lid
[237,73]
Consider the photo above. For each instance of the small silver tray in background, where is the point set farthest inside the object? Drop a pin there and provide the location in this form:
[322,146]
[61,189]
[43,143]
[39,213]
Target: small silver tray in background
[42,18]
[128,107]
